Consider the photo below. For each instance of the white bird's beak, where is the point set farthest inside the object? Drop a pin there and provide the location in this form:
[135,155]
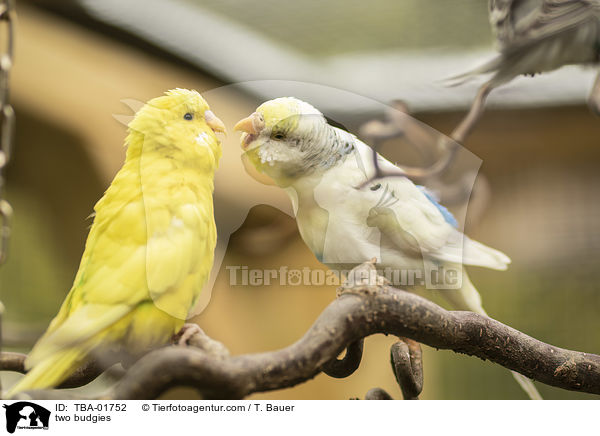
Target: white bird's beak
[251,125]
[214,122]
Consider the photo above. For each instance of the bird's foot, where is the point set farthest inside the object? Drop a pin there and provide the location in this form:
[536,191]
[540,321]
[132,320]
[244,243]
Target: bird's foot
[187,332]
[192,335]
[364,280]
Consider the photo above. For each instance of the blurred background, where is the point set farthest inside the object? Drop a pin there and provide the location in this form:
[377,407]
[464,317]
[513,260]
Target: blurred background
[535,198]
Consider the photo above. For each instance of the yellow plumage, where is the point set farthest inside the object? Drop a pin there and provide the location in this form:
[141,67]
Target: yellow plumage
[150,248]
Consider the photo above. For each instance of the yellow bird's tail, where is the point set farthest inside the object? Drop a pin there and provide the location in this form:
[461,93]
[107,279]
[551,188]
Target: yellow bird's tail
[50,372]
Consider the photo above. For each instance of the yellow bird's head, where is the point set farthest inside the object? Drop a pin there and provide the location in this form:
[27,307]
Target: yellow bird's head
[178,124]
[287,138]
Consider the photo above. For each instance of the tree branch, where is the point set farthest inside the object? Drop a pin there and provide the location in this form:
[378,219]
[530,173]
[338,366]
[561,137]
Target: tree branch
[346,366]
[360,311]
[377,394]
[82,376]
[407,364]
[399,124]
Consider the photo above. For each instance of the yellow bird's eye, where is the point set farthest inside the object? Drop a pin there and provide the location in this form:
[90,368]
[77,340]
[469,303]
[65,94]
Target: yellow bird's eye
[188,116]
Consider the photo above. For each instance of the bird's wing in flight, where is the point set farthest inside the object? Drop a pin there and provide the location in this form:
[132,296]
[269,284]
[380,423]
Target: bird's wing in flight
[520,22]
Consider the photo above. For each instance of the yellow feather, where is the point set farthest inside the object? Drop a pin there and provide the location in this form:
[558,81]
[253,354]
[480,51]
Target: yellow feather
[149,250]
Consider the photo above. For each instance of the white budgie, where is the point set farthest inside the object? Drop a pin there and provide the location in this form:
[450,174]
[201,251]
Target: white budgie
[322,168]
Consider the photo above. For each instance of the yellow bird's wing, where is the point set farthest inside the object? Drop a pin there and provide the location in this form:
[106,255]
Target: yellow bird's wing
[141,249]
[112,260]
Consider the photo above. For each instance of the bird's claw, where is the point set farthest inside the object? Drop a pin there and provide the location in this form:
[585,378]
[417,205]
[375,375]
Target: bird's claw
[186,333]
[192,335]
[364,279]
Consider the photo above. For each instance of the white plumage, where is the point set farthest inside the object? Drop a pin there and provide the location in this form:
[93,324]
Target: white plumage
[397,209]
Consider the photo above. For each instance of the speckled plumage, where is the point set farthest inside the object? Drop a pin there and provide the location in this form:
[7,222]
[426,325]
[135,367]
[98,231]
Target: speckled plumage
[536,36]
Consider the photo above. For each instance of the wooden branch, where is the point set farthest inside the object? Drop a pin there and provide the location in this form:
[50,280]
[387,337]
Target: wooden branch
[82,376]
[346,366]
[377,394]
[407,364]
[360,311]
[398,124]
[13,362]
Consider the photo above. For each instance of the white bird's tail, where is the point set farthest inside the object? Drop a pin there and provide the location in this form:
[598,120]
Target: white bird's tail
[477,254]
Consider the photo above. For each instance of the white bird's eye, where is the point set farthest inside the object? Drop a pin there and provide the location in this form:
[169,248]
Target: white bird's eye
[188,116]
[279,136]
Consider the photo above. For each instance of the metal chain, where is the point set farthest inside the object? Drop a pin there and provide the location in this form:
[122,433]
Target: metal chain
[7,116]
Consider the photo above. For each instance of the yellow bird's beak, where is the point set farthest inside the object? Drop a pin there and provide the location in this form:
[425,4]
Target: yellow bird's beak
[214,122]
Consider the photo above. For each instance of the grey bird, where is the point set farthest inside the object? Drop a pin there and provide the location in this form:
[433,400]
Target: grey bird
[536,36]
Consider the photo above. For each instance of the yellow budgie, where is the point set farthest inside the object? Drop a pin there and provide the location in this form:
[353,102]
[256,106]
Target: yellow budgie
[150,248]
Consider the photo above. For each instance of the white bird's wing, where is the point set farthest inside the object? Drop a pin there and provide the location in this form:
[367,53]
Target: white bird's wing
[415,222]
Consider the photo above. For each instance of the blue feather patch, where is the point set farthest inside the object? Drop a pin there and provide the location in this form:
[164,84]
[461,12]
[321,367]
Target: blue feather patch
[448,217]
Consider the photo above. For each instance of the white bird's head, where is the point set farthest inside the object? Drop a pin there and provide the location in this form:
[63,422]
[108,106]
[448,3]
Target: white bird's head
[287,138]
